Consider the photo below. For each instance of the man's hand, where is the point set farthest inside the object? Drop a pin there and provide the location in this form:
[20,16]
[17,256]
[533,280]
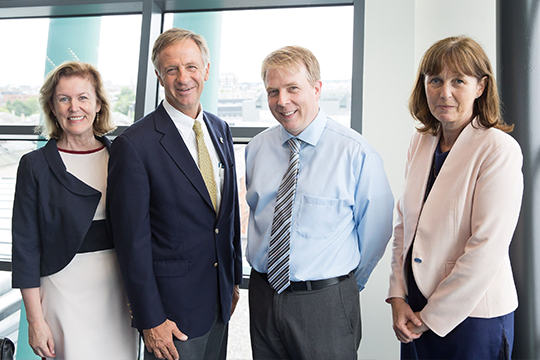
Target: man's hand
[159,340]
[235,297]
[403,316]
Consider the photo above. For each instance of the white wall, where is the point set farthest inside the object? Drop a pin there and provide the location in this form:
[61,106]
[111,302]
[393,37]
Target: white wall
[437,19]
[387,125]
[397,33]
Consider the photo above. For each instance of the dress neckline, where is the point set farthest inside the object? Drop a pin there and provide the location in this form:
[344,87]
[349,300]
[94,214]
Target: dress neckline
[82,152]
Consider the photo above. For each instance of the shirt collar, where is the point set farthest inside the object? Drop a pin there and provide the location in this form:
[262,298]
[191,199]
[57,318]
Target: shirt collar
[311,134]
[183,122]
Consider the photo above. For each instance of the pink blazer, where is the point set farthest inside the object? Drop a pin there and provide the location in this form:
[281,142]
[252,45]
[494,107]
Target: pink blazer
[463,231]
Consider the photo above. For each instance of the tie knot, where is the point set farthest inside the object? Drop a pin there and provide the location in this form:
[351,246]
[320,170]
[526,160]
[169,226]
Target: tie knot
[197,127]
[294,145]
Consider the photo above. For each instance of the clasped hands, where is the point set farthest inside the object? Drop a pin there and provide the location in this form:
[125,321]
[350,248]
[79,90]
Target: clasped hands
[408,325]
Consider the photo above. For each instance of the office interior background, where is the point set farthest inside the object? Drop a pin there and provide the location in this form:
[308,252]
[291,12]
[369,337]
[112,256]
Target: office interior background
[369,51]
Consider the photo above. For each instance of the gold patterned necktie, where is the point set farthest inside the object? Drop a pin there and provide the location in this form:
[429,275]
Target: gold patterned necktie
[205,164]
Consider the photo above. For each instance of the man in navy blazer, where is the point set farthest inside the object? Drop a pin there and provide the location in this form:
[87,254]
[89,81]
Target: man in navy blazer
[179,253]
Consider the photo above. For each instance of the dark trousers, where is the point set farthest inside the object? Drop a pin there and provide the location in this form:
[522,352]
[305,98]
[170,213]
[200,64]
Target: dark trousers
[322,324]
[211,346]
[473,339]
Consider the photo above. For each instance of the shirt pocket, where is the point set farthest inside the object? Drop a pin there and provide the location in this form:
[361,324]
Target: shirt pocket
[318,218]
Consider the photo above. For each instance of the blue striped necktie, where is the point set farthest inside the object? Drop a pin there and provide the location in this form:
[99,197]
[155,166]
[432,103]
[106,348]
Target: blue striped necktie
[280,235]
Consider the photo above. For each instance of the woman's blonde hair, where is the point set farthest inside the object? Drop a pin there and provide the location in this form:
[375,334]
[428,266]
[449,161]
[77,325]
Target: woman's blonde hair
[103,123]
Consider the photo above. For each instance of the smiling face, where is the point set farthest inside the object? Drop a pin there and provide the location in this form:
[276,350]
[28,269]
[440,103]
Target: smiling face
[451,97]
[293,101]
[182,74]
[75,105]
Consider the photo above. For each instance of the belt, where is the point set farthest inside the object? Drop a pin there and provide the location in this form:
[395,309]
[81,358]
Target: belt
[311,284]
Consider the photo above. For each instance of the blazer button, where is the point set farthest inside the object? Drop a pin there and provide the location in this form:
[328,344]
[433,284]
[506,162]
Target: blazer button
[215,265]
[216,231]
[418,260]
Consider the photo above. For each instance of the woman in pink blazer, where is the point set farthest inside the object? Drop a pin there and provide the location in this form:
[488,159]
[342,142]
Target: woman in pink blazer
[452,290]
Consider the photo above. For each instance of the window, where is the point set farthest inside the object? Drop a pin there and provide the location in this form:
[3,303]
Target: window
[239,41]
[22,75]
[109,42]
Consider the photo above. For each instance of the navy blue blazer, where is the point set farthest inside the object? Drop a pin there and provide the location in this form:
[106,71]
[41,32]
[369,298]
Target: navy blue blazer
[176,256]
[52,213]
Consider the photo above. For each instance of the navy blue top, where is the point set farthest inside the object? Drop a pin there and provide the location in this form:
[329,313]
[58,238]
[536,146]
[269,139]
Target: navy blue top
[438,161]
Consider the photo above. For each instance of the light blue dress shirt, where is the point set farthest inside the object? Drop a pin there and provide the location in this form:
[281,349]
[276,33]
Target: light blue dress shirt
[343,208]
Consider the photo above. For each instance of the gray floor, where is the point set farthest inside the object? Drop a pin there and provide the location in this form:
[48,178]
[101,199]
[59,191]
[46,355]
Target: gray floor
[239,347]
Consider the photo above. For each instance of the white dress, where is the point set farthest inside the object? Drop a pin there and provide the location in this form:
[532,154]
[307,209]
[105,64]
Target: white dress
[85,304]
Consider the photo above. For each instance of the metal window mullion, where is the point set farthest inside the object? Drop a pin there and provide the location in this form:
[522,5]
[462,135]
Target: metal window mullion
[147,84]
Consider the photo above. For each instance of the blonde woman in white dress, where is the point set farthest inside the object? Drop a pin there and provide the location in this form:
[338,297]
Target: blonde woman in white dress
[64,261]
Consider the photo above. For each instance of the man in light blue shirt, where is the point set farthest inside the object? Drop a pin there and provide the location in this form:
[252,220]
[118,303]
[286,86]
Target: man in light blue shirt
[322,232]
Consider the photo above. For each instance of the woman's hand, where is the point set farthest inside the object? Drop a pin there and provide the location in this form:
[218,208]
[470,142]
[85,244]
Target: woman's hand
[417,329]
[40,336]
[403,315]
[40,339]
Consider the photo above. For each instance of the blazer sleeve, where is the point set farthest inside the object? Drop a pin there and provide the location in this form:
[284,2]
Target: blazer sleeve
[128,213]
[495,210]
[26,244]
[397,282]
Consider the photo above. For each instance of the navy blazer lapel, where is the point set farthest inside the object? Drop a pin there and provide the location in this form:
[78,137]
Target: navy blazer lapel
[217,138]
[69,181]
[174,145]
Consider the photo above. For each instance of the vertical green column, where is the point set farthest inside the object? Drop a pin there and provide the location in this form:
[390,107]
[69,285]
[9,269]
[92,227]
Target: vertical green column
[207,24]
[69,39]
[73,39]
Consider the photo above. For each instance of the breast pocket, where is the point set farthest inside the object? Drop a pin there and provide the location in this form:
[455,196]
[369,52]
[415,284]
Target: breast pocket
[318,218]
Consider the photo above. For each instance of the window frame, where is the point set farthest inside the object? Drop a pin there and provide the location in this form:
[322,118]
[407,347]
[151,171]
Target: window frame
[153,12]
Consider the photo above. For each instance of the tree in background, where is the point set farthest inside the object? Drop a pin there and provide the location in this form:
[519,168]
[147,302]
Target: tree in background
[27,107]
[126,98]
